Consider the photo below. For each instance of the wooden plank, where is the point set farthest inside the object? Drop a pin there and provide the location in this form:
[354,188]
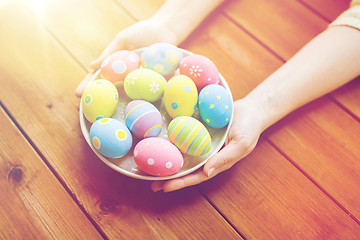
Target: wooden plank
[266,197]
[42,89]
[330,9]
[283,26]
[325,144]
[29,209]
[348,96]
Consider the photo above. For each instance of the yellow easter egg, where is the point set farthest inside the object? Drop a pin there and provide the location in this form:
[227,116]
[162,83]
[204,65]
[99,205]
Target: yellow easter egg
[180,96]
[99,100]
[144,84]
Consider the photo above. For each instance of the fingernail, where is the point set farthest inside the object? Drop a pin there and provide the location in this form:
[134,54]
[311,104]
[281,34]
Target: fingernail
[211,172]
[155,187]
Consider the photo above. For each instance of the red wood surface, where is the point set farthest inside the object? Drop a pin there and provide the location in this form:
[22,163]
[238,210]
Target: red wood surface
[300,182]
[31,194]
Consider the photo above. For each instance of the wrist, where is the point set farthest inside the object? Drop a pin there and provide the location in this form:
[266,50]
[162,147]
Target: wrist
[264,104]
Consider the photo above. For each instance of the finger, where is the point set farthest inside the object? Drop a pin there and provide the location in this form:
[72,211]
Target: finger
[225,158]
[157,185]
[186,181]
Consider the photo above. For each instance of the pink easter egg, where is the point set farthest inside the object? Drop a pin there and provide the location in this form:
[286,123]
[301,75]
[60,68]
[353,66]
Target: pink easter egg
[143,119]
[116,66]
[200,69]
[158,157]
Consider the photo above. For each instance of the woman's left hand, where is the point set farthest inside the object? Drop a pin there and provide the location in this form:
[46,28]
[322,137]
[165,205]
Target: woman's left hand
[242,139]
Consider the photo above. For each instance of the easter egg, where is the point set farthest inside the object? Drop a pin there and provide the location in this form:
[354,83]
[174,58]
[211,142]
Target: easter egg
[144,84]
[157,156]
[110,137]
[99,100]
[180,96]
[215,106]
[163,58]
[200,69]
[189,135]
[116,66]
[143,119]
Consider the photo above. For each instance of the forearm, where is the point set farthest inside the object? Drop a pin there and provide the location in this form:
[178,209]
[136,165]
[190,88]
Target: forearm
[183,16]
[324,64]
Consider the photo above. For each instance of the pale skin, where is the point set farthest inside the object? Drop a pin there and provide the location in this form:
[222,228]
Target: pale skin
[325,63]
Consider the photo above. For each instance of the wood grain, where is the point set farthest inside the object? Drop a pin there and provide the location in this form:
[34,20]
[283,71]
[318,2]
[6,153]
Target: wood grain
[348,97]
[121,206]
[297,184]
[325,149]
[266,197]
[29,208]
[330,9]
[282,26]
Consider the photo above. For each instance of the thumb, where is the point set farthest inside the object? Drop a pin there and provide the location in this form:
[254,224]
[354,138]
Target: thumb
[225,158]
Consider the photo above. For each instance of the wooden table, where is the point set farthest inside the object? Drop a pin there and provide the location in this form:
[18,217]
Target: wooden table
[300,182]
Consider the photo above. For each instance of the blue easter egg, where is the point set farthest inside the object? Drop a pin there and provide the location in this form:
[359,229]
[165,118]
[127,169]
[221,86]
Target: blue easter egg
[110,137]
[215,106]
[163,58]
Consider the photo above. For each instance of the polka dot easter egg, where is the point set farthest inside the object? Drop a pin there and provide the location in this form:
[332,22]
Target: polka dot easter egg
[99,100]
[110,137]
[215,106]
[116,66]
[180,96]
[163,58]
[200,69]
[189,135]
[143,119]
[158,157]
[144,84]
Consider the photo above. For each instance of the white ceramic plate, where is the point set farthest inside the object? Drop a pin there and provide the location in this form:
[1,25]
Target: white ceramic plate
[126,164]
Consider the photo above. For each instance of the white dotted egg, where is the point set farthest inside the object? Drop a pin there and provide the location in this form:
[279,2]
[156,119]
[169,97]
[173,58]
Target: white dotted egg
[158,157]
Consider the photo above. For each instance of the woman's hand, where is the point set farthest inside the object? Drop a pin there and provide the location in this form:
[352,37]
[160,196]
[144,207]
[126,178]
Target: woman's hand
[141,34]
[242,138]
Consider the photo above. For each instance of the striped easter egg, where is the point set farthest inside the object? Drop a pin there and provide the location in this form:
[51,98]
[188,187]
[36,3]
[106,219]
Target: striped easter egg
[143,119]
[189,135]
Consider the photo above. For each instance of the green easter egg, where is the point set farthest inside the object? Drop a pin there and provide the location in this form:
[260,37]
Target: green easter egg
[144,84]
